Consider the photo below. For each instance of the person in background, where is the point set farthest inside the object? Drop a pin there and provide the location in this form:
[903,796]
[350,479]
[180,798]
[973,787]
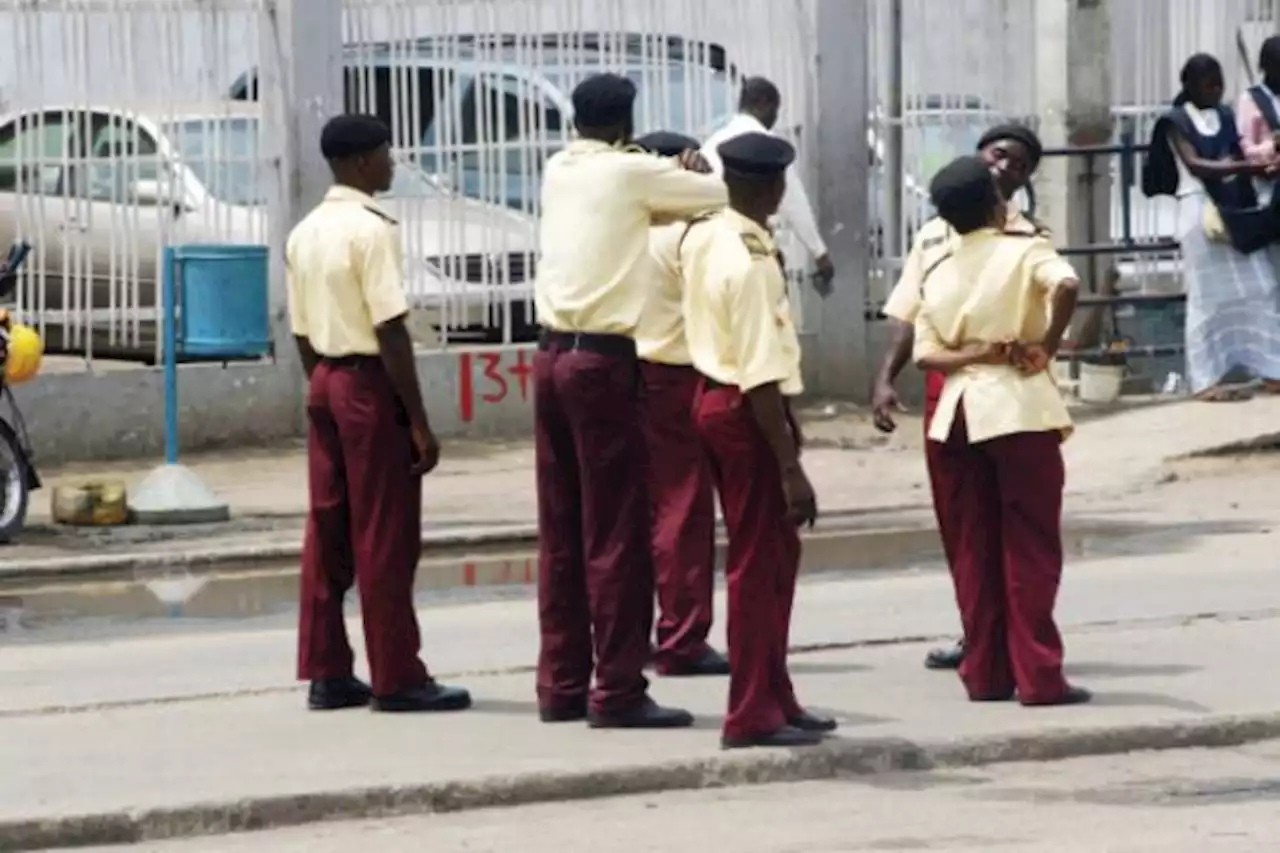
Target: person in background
[369,440]
[758,108]
[992,317]
[681,495]
[742,340]
[1013,152]
[595,581]
[1233,299]
[1258,116]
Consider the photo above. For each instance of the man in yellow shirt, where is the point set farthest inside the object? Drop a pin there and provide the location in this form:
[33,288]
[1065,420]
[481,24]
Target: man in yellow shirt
[595,582]
[742,340]
[1013,152]
[369,440]
[682,510]
[993,315]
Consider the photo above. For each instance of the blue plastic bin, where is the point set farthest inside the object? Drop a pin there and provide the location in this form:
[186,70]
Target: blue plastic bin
[222,296]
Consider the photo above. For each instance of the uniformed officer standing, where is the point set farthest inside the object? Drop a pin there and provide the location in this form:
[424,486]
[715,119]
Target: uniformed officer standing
[993,315]
[595,581]
[1012,151]
[681,495]
[742,340]
[369,440]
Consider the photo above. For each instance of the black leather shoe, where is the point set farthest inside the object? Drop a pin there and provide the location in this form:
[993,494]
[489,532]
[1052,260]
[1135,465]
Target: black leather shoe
[787,736]
[809,722]
[710,662]
[335,694]
[1073,696]
[945,658]
[564,713]
[427,698]
[647,715]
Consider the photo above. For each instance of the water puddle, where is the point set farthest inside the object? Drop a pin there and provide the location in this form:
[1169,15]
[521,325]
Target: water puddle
[249,596]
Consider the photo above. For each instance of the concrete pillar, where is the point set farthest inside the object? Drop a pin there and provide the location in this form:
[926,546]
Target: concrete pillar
[836,357]
[300,87]
[1073,99]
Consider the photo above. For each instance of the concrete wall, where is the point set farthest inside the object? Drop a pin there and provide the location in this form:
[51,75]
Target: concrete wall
[120,414]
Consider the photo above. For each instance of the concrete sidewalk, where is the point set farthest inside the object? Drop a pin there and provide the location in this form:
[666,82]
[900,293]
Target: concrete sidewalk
[220,765]
[483,490]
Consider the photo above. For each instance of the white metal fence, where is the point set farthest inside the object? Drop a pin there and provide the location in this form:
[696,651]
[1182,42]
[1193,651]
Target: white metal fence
[129,124]
[118,139]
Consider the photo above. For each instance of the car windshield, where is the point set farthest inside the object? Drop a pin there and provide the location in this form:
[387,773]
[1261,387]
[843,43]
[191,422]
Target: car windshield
[223,153]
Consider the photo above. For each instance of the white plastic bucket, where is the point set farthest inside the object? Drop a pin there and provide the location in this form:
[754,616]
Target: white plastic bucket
[1100,383]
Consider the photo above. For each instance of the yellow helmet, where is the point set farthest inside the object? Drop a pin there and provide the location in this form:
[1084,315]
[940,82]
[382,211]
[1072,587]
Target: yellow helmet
[25,351]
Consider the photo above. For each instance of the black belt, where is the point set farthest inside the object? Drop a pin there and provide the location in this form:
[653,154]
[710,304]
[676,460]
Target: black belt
[349,361]
[616,346]
[713,385]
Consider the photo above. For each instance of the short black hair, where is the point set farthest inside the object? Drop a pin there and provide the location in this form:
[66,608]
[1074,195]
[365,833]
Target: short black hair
[964,193]
[1198,69]
[1269,55]
[758,92]
[603,100]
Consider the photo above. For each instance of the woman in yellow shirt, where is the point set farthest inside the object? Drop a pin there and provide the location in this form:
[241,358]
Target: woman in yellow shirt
[993,314]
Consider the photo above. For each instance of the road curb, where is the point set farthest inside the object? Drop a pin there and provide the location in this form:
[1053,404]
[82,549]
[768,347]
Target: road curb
[835,759]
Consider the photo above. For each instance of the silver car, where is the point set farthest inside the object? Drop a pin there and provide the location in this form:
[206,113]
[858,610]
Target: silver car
[101,190]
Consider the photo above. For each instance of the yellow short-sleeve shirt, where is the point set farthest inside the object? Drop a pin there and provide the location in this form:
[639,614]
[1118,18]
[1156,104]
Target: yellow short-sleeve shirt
[660,335]
[345,274]
[933,242]
[598,205]
[736,310]
[994,287]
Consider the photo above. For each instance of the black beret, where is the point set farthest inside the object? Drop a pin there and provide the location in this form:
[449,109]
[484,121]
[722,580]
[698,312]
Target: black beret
[603,100]
[759,154]
[351,135]
[964,184]
[667,144]
[1016,133]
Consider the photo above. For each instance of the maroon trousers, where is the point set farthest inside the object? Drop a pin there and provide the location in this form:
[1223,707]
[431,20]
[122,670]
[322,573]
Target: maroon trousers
[763,563]
[595,578]
[1003,502]
[682,515]
[933,383]
[364,527]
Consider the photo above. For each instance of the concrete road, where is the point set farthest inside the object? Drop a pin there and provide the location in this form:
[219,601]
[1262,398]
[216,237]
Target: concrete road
[1191,801]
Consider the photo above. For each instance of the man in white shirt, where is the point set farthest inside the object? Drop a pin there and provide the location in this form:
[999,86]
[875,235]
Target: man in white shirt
[758,108]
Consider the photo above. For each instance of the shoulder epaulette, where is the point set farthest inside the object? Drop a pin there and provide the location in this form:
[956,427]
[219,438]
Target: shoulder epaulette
[932,241]
[755,245]
[633,149]
[381,214]
[701,217]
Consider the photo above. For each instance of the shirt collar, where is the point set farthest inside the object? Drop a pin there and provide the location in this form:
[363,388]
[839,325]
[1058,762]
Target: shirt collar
[351,195]
[750,226]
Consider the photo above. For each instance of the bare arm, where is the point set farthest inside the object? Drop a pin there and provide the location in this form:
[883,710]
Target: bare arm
[395,348]
[898,354]
[769,408]
[1210,169]
[1062,308]
[949,361]
[306,354]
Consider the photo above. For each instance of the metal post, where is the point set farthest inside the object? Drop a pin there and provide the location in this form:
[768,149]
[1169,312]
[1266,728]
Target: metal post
[893,156]
[300,85]
[169,285]
[837,366]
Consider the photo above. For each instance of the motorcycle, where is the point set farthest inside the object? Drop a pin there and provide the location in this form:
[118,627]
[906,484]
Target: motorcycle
[20,355]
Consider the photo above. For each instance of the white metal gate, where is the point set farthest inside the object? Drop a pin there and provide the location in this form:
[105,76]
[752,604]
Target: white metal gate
[117,139]
[478,96]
